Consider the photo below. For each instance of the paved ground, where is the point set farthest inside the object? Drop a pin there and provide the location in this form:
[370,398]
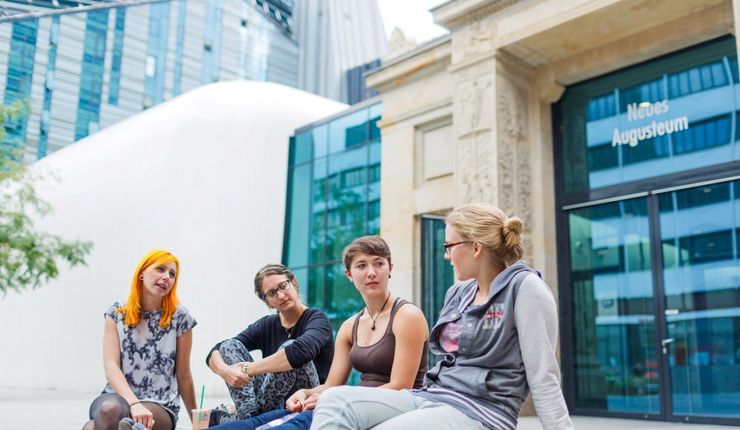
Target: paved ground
[22,409]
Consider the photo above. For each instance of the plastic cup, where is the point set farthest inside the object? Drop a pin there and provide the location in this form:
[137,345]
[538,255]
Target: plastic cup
[201,418]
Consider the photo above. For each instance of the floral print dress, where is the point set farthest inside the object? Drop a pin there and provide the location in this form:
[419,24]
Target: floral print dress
[148,354]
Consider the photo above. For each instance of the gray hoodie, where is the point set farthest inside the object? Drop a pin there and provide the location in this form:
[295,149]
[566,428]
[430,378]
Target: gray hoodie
[488,370]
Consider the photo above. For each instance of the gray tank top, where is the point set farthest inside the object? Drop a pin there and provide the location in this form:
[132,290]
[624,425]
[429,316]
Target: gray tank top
[375,361]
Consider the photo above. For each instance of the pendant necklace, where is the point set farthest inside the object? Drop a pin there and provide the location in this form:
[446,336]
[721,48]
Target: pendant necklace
[379,312]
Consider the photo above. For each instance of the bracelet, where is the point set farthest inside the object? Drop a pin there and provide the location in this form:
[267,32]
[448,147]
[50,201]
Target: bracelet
[245,369]
[131,404]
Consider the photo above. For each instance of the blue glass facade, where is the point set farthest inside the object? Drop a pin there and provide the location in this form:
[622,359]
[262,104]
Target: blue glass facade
[91,75]
[650,226]
[20,75]
[179,47]
[333,197]
[212,41]
[115,65]
[82,87]
[156,54]
[48,88]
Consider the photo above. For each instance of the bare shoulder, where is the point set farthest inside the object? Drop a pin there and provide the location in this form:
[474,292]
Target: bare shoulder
[345,330]
[409,315]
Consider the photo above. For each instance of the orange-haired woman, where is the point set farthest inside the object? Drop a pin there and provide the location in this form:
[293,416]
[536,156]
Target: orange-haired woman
[146,352]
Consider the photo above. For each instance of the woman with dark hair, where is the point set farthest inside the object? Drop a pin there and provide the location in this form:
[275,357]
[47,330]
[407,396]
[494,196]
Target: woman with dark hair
[386,341]
[296,345]
[497,332]
[146,352]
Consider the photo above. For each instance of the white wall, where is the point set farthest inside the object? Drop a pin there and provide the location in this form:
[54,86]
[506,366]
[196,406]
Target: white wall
[203,176]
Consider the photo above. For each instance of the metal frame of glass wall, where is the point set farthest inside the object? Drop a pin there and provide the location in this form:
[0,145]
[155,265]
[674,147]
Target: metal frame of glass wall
[648,229]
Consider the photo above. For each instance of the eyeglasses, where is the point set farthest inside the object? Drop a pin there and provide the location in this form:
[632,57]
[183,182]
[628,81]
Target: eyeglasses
[448,246]
[283,286]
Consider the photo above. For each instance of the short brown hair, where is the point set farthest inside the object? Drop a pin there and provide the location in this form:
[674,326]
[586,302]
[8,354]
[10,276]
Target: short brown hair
[370,245]
[269,270]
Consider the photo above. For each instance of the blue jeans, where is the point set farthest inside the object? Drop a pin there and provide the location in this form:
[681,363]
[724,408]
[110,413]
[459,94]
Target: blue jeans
[301,421]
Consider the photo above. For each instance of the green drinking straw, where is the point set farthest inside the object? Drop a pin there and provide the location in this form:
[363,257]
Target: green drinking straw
[200,408]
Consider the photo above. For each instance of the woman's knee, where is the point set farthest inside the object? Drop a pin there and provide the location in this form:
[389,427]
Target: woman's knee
[111,408]
[234,351]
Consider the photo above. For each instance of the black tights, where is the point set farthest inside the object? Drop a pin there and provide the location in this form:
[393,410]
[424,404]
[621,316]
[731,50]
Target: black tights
[108,409]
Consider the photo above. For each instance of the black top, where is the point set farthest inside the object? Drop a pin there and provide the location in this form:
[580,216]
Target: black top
[312,334]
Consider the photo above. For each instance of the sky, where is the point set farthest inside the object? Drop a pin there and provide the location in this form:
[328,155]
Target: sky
[412,17]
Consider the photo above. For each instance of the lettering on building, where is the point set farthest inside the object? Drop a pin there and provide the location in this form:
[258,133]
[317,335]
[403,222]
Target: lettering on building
[656,128]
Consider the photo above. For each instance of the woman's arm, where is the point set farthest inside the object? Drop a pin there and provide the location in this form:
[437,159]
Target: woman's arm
[182,370]
[338,373]
[305,348]
[115,376]
[536,319]
[411,331]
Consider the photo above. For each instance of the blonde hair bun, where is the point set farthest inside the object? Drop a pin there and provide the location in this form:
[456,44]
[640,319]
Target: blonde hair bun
[512,231]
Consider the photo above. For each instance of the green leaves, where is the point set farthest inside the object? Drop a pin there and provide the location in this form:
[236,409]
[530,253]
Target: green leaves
[28,257]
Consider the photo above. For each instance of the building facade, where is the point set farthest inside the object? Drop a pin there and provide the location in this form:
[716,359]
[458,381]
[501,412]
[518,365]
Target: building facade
[610,128]
[336,36]
[81,72]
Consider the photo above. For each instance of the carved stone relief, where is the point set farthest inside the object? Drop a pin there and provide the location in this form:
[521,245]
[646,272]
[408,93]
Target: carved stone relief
[473,39]
[514,168]
[474,105]
[475,168]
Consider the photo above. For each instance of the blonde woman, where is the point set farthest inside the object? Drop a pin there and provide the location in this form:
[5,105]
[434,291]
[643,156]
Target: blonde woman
[146,352]
[497,331]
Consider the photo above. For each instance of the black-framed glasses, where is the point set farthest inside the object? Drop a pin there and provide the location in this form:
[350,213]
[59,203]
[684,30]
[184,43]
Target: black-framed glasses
[447,246]
[283,286]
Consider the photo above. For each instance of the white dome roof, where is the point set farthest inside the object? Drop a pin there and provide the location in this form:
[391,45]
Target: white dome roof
[202,175]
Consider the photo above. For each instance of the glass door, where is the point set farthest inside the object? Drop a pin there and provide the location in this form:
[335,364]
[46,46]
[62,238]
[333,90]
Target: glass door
[613,321]
[700,241]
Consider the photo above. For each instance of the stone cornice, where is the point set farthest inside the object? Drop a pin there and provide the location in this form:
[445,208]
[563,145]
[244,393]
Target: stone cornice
[456,13]
[429,57]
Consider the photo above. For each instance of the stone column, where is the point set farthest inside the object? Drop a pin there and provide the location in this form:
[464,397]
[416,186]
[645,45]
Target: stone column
[492,123]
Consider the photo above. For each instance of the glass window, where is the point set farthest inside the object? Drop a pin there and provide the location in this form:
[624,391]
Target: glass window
[115,65]
[156,60]
[348,131]
[212,41]
[675,114]
[91,76]
[20,75]
[179,48]
[48,88]
[302,146]
[298,223]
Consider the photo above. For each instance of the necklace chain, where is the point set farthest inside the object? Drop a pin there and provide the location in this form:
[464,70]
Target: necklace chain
[379,312]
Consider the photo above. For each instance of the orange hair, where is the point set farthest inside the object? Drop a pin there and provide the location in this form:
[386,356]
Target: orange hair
[132,308]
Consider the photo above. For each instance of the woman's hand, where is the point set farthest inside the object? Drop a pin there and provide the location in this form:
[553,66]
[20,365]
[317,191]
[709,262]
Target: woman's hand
[310,403]
[296,401]
[142,415]
[234,375]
